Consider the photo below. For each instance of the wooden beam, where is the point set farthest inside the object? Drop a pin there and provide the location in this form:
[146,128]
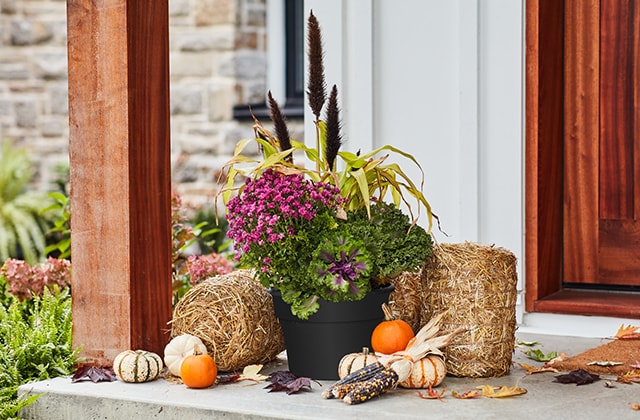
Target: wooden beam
[120,175]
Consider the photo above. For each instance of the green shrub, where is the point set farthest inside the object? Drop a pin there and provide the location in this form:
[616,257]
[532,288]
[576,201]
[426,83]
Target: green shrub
[22,224]
[35,344]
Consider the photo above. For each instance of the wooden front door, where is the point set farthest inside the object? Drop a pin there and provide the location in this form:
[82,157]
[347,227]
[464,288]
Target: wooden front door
[583,150]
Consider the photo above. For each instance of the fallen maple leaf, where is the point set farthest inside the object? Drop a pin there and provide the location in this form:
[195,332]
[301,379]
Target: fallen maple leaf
[473,393]
[284,380]
[578,377]
[539,356]
[501,392]
[627,332]
[530,370]
[94,374]
[252,373]
[432,395]
[629,377]
[228,378]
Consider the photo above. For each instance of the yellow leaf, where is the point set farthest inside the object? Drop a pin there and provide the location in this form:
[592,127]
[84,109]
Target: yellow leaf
[501,392]
[252,373]
[535,369]
[629,331]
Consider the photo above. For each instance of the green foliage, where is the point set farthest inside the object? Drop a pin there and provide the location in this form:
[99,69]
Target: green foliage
[35,344]
[60,233]
[22,225]
[10,404]
[395,245]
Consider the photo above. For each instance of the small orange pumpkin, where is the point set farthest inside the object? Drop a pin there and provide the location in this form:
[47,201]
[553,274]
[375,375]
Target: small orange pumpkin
[198,370]
[391,335]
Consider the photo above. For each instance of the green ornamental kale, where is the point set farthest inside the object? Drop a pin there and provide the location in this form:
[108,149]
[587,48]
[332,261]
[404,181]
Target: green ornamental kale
[394,244]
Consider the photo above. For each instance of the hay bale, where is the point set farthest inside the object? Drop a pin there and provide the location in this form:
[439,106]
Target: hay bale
[233,316]
[406,299]
[476,285]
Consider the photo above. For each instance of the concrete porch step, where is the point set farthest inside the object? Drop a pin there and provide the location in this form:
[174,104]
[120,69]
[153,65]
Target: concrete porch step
[160,399]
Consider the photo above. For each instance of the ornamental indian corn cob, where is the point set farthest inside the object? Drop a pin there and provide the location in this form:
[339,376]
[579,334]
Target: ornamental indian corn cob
[382,382]
[356,376]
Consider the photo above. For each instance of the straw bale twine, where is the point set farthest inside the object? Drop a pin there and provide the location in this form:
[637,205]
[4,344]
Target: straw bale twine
[233,316]
[476,284]
[406,300]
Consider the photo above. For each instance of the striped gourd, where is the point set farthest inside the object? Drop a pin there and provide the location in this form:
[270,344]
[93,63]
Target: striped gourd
[426,372]
[137,366]
[381,382]
[354,361]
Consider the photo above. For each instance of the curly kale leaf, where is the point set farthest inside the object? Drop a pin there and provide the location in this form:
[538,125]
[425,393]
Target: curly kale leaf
[394,244]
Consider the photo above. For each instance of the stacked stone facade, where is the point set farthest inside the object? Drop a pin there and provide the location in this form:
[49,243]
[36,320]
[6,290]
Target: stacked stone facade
[217,60]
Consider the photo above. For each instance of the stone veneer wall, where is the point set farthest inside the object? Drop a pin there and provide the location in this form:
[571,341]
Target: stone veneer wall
[217,60]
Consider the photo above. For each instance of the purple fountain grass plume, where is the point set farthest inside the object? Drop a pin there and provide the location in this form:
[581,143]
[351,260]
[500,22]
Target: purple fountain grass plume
[280,124]
[334,138]
[317,87]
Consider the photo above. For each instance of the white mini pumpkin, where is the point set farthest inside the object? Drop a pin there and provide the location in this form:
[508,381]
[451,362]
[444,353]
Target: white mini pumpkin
[354,361]
[137,366]
[180,347]
[426,372]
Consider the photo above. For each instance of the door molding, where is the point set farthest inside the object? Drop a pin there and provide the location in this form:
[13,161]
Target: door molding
[544,179]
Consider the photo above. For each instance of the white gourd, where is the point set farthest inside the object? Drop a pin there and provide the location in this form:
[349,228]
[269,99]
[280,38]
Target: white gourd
[137,366]
[426,372]
[354,361]
[180,347]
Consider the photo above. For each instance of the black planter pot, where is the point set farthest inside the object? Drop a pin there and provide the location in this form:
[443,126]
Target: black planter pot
[315,346]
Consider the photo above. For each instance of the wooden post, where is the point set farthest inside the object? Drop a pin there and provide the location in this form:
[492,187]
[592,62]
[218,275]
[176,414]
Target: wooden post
[120,175]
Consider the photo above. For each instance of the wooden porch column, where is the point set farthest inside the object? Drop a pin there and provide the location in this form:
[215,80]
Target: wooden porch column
[120,175]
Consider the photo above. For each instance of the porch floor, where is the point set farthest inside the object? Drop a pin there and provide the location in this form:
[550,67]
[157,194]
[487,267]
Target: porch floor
[164,400]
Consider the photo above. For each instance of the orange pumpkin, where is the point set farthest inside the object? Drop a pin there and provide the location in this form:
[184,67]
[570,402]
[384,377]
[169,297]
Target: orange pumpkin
[198,370]
[391,335]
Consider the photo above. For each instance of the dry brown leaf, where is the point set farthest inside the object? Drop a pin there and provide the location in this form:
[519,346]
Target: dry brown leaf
[628,332]
[466,395]
[630,376]
[489,391]
[530,370]
[559,358]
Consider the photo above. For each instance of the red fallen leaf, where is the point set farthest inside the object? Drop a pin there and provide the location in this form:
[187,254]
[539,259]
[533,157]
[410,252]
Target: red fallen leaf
[228,378]
[627,332]
[432,395]
[578,377]
[473,393]
[94,374]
